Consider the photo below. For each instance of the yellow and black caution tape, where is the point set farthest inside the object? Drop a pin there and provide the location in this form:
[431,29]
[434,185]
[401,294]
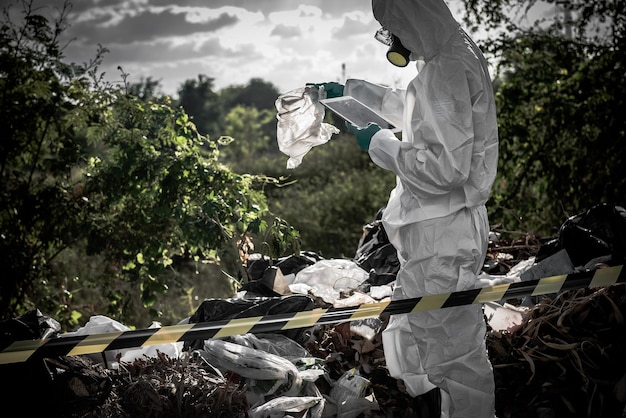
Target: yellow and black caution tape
[21,351]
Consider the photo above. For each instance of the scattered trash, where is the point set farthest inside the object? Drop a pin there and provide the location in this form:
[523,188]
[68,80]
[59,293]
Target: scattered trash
[350,396]
[597,235]
[561,355]
[376,255]
[504,317]
[328,278]
[216,309]
[566,358]
[287,406]
[30,326]
[267,374]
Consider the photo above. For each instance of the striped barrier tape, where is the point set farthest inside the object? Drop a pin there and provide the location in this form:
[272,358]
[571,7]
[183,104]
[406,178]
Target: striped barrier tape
[21,351]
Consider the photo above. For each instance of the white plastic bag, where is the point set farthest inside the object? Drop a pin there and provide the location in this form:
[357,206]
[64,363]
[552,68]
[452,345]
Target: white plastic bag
[328,278]
[300,125]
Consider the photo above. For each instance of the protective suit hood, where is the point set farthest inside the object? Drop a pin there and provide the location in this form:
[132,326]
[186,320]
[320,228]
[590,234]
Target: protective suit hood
[423,26]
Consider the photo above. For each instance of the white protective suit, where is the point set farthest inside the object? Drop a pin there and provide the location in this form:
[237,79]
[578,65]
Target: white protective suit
[436,216]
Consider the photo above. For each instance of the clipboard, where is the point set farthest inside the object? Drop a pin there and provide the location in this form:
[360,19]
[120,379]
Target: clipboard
[357,113]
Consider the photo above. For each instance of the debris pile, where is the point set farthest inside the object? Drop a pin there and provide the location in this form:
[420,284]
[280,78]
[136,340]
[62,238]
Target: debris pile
[556,356]
[161,386]
[566,359]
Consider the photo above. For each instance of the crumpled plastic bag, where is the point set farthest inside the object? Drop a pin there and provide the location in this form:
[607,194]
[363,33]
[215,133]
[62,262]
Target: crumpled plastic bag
[300,124]
[100,324]
[266,373]
[349,395]
[326,279]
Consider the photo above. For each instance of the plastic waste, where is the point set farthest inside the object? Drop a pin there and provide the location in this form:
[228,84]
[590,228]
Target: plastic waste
[289,265]
[503,317]
[276,344]
[100,324]
[300,124]
[355,299]
[375,254]
[328,278]
[267,374]
[381,292]
[311,404]
[172,350]
[597,233]
[218,309]
[272,283]
[32,325]
[512,276]
[48,385]
[285,405]
[366,328]
[349,395]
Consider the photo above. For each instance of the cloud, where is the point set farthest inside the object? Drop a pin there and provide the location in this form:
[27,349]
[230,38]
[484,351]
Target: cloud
[353,26]
[285,42]
[146,25]
[139,53]
[286,31]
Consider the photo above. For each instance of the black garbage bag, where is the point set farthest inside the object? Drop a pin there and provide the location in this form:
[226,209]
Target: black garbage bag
[48,386]
[267,279]
[33,325]
[595,235]
[218,309]
[291,264]
[376,255]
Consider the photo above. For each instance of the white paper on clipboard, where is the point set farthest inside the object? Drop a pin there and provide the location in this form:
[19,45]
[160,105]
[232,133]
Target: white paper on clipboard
[357,113]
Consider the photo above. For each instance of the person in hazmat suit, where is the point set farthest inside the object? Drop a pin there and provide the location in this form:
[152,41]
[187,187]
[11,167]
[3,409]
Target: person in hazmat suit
[435,217]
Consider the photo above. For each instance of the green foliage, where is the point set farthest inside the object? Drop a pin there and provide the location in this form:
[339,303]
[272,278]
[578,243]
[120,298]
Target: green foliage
[163,194]
[327,199]
[560,96]
[112,197]
[94,175]
[202,103]
[330,197]
[257,93]
[45,109]
[249,142]
[147,89]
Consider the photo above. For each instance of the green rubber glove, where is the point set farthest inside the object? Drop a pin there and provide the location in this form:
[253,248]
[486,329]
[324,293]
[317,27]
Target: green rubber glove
[363,135]
[332,88]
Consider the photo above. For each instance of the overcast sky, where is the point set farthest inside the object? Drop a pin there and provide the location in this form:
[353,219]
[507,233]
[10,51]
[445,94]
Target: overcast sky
[285,42]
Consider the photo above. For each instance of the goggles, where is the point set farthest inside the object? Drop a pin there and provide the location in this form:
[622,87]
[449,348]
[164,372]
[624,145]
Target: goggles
[397,54]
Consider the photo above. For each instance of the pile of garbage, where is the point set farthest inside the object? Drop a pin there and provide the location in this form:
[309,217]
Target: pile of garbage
[558,355]
[566,359]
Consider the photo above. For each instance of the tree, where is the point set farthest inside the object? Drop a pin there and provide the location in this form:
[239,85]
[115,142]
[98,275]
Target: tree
[249,145]
[202,103]
[91,170]
[257,93]
[560,94]
[330,197]
[44,107]
[146,89]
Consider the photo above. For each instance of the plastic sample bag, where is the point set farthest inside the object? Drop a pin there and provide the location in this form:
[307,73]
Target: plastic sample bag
[300,125]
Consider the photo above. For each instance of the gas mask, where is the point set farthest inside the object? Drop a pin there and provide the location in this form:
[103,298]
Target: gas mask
[397,54]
